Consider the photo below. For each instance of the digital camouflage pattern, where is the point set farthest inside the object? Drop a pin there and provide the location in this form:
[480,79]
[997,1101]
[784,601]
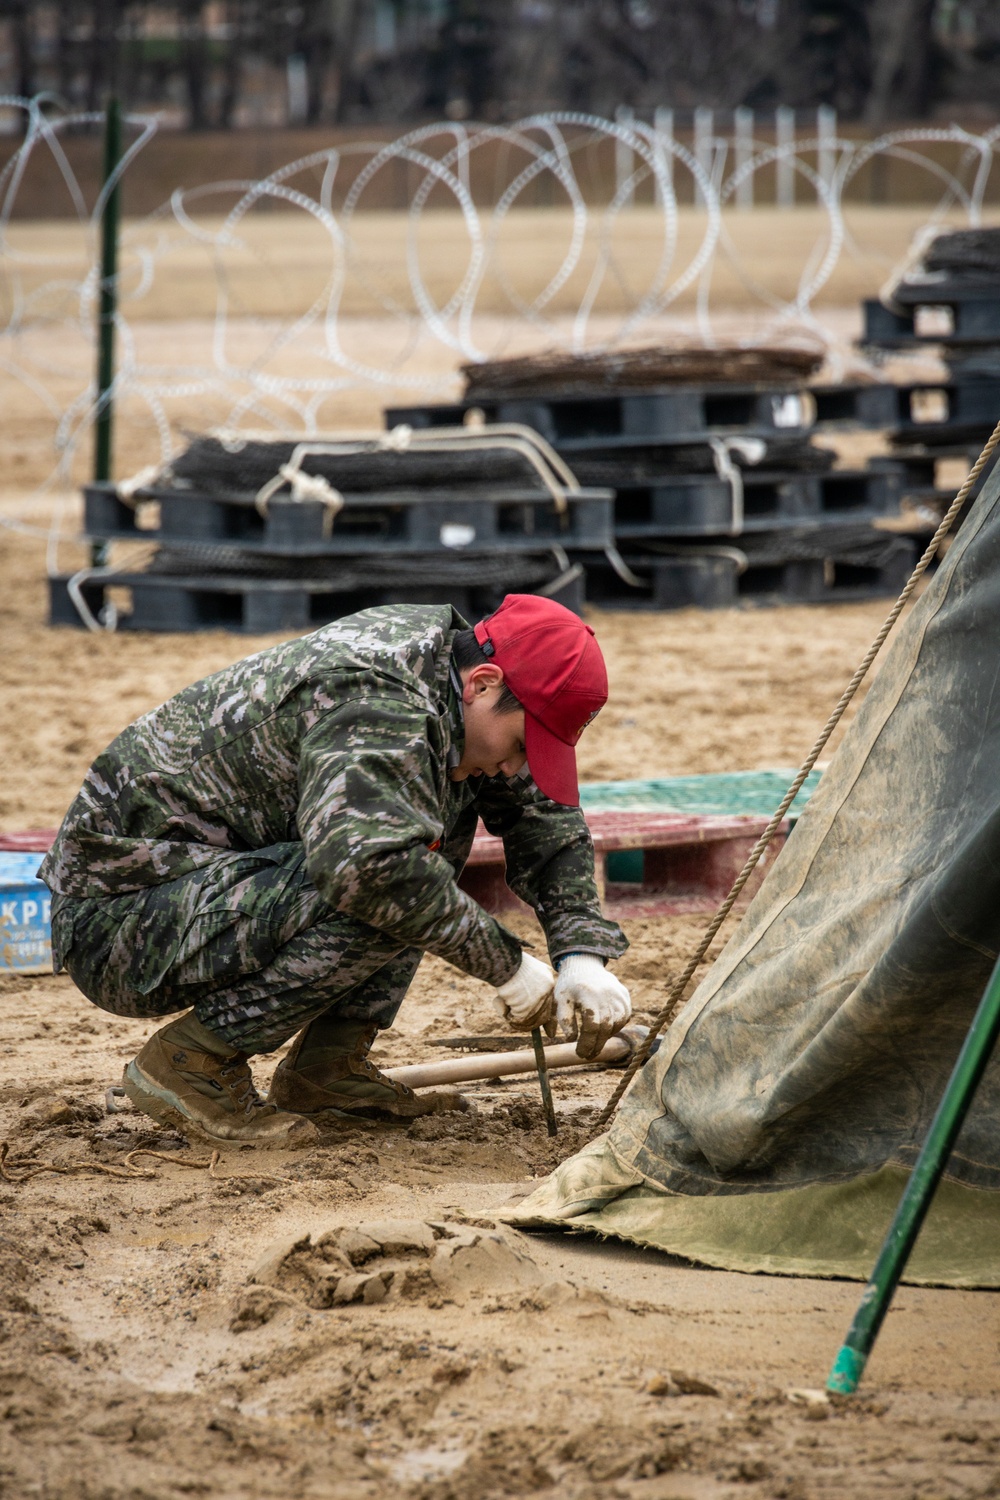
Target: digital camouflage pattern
[248,942]
[295,809]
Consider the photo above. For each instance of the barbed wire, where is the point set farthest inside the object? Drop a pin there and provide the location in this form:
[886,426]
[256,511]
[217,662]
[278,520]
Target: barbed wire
[305,358]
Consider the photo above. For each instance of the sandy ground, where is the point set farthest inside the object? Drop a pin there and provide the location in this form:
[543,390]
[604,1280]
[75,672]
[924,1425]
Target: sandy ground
[141,1360]
[159,1336]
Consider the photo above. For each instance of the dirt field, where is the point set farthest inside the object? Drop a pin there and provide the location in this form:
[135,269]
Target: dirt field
[159,1334]
[140,1361]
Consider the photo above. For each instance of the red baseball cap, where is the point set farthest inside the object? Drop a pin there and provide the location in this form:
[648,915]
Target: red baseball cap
[553,665]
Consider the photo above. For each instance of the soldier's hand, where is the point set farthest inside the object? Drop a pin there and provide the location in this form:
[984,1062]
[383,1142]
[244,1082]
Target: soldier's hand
[526,1000]
[591,1004]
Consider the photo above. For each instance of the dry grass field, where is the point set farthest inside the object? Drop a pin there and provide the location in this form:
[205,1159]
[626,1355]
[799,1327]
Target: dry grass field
[140,1360]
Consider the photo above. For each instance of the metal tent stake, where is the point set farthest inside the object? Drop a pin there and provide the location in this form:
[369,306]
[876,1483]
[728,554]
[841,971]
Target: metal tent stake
[543,1080]
[107,306]
[849,1365]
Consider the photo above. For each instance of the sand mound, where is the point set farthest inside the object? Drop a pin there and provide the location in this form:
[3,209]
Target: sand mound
[409,1259]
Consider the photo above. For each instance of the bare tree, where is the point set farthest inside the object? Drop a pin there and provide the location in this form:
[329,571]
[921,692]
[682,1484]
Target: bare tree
[493,59]
[314,44]
[594,55]
[347,19]
[194,61]
[102,51]
[239,22]
[903,55]
[21,14]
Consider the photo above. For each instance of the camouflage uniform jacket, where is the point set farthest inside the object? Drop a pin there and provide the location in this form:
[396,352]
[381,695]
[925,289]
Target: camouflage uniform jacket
[342,739]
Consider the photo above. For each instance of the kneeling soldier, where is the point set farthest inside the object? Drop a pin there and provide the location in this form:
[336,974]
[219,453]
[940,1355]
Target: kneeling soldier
[273,850]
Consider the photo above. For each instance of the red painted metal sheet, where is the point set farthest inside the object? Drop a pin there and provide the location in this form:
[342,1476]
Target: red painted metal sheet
[689,865]
[612,830]
[30,841]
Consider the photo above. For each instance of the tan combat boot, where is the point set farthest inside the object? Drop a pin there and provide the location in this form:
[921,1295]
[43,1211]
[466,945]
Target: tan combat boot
[206,1094]
[327,1075]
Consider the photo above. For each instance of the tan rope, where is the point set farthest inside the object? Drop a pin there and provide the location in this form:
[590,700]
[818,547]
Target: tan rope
[173,1156]
[131,1169]
[697,958]
[212,1164]
[35,1169]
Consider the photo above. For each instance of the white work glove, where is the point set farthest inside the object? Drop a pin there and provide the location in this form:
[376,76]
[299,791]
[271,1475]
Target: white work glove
[525,1001]
[591,1004]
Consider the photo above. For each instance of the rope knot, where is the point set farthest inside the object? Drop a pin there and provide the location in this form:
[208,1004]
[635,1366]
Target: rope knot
[312,487]
[397,439]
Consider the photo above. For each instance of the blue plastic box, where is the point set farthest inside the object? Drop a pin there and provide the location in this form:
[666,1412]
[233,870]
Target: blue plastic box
[25,924]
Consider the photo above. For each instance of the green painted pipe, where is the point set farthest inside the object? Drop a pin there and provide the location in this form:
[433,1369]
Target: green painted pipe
[107,306]
[977,1048]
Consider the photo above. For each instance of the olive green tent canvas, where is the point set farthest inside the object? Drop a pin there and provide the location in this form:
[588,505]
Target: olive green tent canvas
[775,1127]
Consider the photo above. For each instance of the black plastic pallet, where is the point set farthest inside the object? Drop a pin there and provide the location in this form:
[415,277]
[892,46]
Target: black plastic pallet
[938,315]
[702,505]
[679,409]
[623,445]
[952,411]
[500,520]
[249,606]
[706,581]
[921,460]
[852,406]
[685,411]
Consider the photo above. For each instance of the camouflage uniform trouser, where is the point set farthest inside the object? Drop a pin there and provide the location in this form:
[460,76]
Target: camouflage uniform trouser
[247,941]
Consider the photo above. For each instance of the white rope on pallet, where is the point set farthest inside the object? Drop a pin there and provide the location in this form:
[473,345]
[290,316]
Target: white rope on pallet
[303,486]
[732,475]
[555,475]
[565,578]
[623,570]
[704,549]
[127,489]
[107,617]
[313,487]
[510,437]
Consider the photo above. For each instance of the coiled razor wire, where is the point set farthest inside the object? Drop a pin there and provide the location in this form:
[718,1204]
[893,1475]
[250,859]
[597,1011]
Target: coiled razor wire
[439,158]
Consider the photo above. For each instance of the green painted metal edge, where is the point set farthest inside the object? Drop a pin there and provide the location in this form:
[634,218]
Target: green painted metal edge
[107,304]
[107,308]
[977,1049]
[846,1372]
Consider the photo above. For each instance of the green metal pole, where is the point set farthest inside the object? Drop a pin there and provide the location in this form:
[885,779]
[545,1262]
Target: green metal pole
[977,1048]
[107,307]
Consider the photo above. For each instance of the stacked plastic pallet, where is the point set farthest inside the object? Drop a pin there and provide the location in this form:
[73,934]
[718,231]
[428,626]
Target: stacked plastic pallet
[269,536]
[949,300]
[721,494]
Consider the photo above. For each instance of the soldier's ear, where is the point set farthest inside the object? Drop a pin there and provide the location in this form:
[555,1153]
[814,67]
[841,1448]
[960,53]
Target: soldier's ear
[480,680]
